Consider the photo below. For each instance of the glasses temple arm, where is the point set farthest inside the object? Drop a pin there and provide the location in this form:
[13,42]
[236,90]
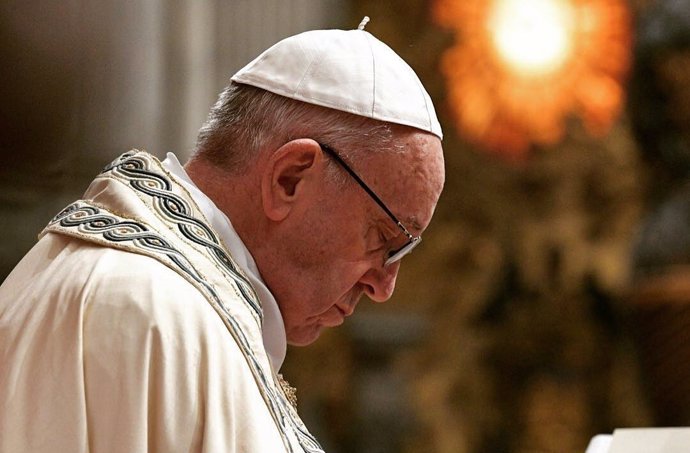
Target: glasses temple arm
[371,193]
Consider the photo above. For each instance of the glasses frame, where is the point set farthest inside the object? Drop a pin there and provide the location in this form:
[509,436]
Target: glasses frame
[412,242]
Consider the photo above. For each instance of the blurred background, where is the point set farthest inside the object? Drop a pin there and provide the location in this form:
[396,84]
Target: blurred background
[550,300]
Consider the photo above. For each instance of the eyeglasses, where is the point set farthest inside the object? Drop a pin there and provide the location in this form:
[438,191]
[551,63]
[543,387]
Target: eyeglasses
[412,241]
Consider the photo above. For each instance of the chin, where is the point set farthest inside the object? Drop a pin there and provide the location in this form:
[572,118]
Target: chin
[304,337]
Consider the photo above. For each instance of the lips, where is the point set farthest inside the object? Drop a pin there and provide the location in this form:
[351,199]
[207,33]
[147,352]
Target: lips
[333,317]
[337,315]
[342,311]
[348,307]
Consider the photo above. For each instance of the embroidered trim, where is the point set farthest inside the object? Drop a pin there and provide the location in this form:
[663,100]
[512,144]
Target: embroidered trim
[134,167]
[88,221]
[290,391]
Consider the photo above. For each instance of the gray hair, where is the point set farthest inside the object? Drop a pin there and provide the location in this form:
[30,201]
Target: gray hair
[247,120]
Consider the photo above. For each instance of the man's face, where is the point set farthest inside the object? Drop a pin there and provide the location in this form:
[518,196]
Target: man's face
[337,247]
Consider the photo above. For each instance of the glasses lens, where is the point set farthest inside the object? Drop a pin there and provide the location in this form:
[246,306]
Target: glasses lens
[407,248]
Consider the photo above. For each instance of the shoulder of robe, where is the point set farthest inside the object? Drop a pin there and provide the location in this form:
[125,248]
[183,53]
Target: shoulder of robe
[118,287]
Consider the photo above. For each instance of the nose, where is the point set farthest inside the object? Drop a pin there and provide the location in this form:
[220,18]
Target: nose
[379,282]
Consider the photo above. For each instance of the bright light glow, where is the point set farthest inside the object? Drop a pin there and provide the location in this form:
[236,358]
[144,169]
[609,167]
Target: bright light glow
[520,70]
[532,36]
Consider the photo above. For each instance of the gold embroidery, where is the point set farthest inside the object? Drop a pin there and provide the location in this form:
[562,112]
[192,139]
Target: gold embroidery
[289,391]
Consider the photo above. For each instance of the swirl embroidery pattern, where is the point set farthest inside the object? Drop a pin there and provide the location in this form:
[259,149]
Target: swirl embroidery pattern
[87,221]
[90,220]
[135,169]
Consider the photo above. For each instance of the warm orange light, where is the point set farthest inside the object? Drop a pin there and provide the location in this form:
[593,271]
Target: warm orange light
[519,68]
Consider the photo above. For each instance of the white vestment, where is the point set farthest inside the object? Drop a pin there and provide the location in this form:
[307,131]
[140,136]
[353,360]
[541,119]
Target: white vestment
[130,328]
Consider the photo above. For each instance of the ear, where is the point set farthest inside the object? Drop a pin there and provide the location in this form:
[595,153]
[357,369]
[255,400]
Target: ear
[287,176]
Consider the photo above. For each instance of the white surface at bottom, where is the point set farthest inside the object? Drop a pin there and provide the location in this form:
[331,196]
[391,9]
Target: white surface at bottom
[600,444]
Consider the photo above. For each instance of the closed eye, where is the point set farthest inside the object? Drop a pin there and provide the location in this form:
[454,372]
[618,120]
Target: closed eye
[382,238]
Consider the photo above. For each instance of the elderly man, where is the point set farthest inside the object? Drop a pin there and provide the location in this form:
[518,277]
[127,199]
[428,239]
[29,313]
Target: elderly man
[153,314]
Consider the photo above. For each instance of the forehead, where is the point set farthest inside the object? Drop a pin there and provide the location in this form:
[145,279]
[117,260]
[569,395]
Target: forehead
[410,179]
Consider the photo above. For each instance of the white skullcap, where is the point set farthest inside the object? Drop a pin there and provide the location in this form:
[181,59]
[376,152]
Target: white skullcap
[350,71]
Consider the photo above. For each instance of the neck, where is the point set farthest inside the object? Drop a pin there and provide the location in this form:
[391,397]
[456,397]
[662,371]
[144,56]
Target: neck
[235,195]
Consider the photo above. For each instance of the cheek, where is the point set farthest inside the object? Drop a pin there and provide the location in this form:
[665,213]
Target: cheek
[325,287]
[319,241]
